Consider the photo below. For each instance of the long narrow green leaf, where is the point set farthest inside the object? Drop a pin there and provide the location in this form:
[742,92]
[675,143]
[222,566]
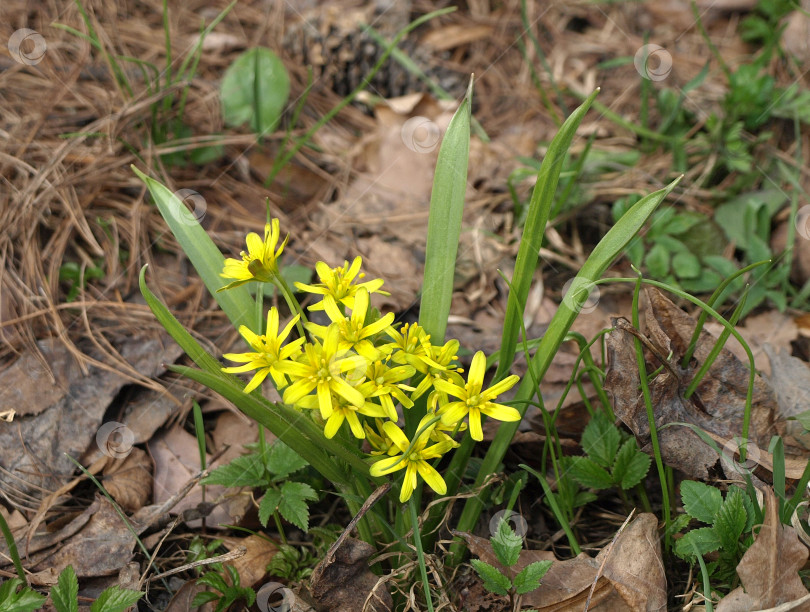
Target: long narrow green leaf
[610,247]
[444,222]
[202,252]
[533,231]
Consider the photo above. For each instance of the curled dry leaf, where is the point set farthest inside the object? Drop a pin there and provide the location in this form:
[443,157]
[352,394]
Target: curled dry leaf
[129,480]
[717,405]
[769,569]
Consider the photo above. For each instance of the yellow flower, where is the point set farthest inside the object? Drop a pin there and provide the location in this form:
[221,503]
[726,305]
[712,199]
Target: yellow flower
[336,284]
[382,383]
[379,440]
[260,262]
[268,352]
[411,345]
[414,461]
[320,369]
[354,333]
[438,365]
[342,411]
[472,401]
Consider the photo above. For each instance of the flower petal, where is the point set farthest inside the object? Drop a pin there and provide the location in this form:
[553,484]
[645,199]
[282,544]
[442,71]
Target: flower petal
[476,433]
[399,439]
[387,466]
[500,412]
[431,477]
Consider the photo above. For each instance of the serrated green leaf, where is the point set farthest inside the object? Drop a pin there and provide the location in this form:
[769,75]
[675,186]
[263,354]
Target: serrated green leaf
[704,538]
[678,524]
[268,505]
[204,597]
[115,599]
[213,580]
[730,519]
[631,465]
[589,474]
[700,500]
[281,460]
[244,471]
[66,591]
[600,440]
[24,600]
[293,504]
[494,580]
[529,579]
[506,544]
[255,88]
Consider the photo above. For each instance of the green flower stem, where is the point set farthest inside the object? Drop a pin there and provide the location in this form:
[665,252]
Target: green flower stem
[292,303]
[12,549]
[417,540]
[645,390]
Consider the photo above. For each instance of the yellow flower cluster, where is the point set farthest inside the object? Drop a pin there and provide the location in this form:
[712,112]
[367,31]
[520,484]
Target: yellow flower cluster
[356,369]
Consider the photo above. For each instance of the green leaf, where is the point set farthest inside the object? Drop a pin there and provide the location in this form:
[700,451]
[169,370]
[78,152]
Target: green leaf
[679,523]
[255,88]
[24,600]
[66,591]
[268,505]
[700,500]
[494,580]
[236,303]
[681,223]
[293,504]
[686,265]
[506,544]
[204,597]
[657,260]
[281,460]
[600,440]
[631,465]
[589,474]
[115,599]
[731,519]
[244,471]
[529,579]
[534,229]
[705,539]
[444,223]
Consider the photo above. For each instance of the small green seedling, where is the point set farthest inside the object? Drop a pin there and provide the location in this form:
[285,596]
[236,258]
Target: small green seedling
[270,468]
[65,596]
[728,532]
[24,599]
[609,462]
[506,544]
[227,587]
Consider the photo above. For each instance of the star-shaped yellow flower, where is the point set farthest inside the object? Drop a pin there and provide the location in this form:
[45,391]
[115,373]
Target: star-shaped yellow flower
[472,401]
[415,460]
[260,262]
[337,286]
[268,352]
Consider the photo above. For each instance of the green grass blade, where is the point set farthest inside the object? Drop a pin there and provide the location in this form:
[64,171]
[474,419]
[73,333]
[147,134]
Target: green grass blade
[444,222]
[610,247]
[529,251]
[202,252]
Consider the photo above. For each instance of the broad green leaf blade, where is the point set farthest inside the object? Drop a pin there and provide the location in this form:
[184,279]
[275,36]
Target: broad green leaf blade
[115,599]
[506,544]
[24,600]
[243,471]
[186,341]
[589,474]
[533,231]
[610,247]
[529,579]
[204,255]
[66,592]
[705,539]
[631,465]
[281,461]
[494,580]
[731,519]
[444,223]
[255,88]
[700,500]
[600,440]
[268,505]
[293,503]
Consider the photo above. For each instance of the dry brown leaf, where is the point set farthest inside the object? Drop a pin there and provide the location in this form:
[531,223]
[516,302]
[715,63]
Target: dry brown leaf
[129,480]
[451,36]
[790,379]
[717,406]
[769,569]
[343,581]
[251,566]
